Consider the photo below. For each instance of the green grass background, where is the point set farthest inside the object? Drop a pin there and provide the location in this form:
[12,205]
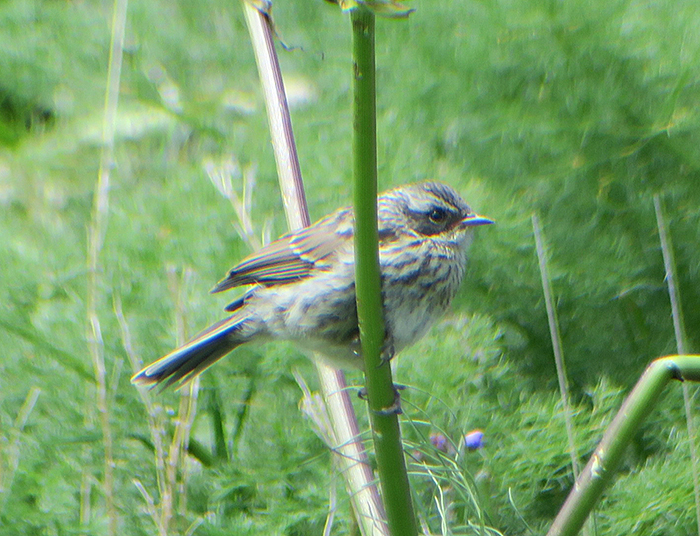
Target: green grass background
[579,111]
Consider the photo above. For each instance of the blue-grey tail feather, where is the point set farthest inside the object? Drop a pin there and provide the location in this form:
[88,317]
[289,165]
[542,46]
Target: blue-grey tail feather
[236,304]
[183,364]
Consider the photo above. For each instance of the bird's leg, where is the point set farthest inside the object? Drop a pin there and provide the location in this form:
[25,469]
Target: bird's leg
[394,408]
[386,355]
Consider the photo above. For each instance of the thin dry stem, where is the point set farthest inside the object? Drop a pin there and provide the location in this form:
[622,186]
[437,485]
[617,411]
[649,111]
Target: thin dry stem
[288,170]
[168,459]
[96,232]
[150,504]
[332,506]
[679,330]
[556,341]
[171,482]
[188,401]
[222,175]
[155,417]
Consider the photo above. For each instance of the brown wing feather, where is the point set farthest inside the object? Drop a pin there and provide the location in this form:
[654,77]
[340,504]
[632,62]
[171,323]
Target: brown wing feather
[287,259]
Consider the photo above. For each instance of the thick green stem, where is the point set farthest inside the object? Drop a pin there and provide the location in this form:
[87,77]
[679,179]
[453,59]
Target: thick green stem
[387,440]
[605,460]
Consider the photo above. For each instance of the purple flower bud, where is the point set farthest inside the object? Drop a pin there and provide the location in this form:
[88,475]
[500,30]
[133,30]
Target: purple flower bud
[474,440]
[439,441]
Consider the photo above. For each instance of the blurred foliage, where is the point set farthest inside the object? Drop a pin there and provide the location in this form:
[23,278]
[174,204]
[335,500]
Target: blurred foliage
[579,111]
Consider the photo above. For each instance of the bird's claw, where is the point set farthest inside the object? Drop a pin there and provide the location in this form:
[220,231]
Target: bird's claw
[394,408]
[387,353]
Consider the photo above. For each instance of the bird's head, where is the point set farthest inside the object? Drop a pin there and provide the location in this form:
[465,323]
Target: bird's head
[428,210]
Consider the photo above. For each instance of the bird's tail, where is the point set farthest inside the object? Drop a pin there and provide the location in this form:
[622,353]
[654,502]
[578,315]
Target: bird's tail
[183,364]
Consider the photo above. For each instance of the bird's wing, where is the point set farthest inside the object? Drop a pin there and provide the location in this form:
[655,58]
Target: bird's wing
[290,258]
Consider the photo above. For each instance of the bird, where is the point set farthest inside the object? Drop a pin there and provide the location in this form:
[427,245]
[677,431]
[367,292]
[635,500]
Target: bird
[302,285]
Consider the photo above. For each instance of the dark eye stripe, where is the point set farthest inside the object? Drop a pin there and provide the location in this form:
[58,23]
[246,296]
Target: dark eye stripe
[422,223]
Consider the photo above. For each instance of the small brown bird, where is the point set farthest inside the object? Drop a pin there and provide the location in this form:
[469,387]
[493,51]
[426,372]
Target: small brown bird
[303,284]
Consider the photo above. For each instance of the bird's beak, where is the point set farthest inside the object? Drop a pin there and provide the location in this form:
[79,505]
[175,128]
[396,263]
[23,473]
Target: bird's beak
[474,219]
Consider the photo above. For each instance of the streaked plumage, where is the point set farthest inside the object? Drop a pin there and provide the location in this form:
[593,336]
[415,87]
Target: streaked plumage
[304,283]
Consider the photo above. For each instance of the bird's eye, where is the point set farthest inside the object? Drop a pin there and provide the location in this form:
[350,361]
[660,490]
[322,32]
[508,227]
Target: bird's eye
[437,215]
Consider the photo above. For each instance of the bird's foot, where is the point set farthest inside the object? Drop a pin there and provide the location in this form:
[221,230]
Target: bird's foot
[394,408]
[387,353]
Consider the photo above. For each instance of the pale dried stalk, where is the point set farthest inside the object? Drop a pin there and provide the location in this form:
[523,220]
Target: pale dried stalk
[96,232]
[168,458]
[186,410]
[156,422]
[222,175]
[556,341]
[679,330]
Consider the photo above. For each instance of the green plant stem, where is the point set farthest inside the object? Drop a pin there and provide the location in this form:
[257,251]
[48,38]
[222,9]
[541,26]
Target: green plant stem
[605,460]
[391,465]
